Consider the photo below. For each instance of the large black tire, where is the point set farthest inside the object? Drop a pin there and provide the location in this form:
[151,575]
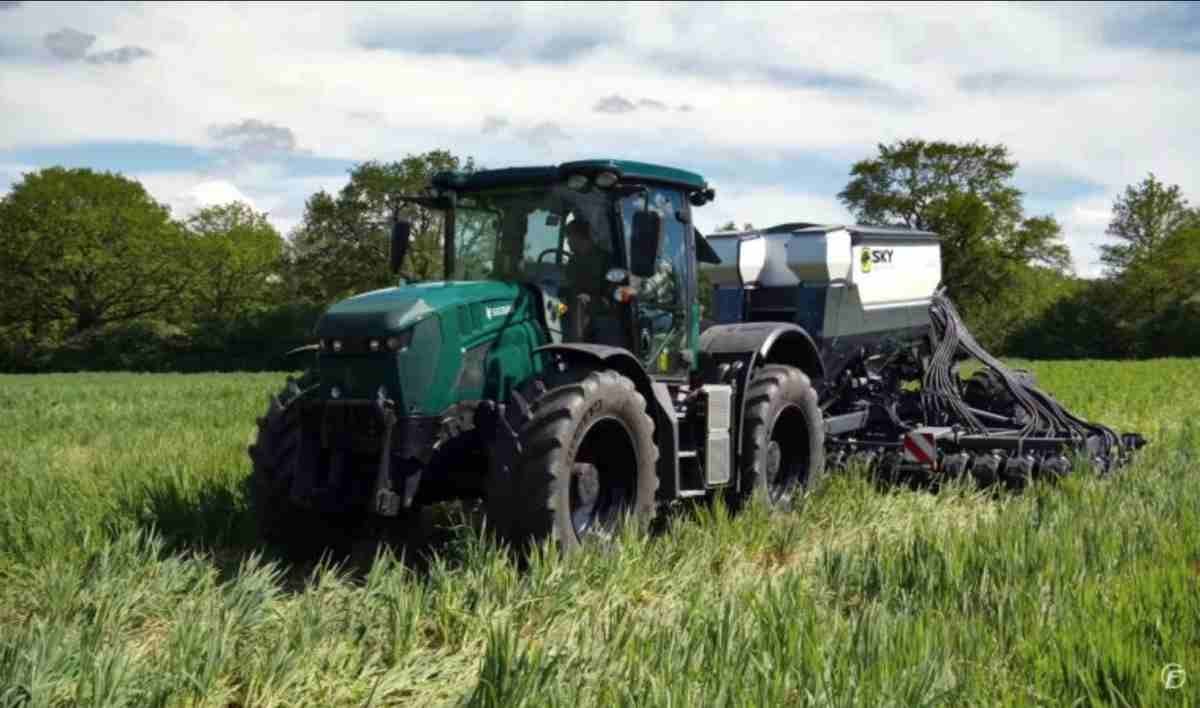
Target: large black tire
[587,465]
[783,437]
[293,531]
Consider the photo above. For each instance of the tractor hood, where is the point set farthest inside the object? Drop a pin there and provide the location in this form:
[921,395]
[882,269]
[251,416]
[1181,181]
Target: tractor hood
[392,310]
[463,340]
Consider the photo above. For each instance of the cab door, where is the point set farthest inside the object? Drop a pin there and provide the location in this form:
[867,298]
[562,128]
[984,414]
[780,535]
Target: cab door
[660,322]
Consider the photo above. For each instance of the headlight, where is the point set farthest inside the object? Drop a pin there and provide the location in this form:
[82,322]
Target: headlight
[604,180]
[577,182]
[373,345]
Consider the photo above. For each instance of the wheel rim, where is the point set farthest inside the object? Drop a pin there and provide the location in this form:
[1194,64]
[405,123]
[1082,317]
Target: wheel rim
[774,462]
[786,464]
[585,492]
[602,488]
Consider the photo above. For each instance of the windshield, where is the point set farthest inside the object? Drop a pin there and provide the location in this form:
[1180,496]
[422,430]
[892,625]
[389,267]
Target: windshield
[546,235]
[565,241]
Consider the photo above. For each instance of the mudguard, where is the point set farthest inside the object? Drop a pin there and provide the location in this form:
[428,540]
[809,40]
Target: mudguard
[658,402]
[765,342]
[616,358]
[729,353]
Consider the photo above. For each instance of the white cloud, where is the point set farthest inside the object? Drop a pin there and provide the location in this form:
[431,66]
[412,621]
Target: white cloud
[187,192]
[1084,223]
[263,188]
[493,125]
[68,44]
[767,205]
[254,138]
[825,79]
[214,192]
[10,174]
[120,55]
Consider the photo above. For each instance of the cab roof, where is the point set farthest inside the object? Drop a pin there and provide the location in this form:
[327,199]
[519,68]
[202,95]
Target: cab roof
[546,174]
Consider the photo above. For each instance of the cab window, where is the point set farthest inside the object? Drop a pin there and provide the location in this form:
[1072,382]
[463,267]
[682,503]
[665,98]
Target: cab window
[663,298]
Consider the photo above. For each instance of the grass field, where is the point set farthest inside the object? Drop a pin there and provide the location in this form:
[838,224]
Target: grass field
[129,575]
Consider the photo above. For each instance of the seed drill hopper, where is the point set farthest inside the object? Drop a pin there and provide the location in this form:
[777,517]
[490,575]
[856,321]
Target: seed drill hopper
[892,346]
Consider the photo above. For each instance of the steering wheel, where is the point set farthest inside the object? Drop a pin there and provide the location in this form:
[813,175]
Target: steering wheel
[548,251]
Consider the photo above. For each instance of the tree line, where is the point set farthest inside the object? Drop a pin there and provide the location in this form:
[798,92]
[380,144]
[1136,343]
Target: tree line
[99,275]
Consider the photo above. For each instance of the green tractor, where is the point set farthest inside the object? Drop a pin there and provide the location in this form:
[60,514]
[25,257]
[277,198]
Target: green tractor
[558,373]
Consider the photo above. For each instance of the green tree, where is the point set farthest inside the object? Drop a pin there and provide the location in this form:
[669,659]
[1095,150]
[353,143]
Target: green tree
[964,193]
[1158,279]
[1144,216]
[1153,266]
[341,245]
[1178,262]
[81,249]
[1173,325]
[234,253]
[1147,306]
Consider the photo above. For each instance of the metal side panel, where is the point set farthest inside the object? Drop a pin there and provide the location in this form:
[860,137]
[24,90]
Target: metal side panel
[718,458]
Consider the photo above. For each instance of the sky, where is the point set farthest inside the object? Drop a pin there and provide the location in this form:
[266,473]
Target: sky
[772,103]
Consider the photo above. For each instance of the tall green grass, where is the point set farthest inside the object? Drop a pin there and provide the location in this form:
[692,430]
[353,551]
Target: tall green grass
[129,575]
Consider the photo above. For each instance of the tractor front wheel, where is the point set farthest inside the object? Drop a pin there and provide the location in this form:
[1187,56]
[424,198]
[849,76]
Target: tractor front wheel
[587,466]
[297,533]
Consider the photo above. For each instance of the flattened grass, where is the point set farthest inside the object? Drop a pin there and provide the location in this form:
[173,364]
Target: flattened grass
[129,575]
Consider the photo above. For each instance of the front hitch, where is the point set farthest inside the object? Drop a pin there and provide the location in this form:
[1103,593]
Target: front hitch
[384,499]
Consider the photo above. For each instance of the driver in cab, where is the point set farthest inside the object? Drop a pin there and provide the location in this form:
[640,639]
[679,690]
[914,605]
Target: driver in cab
[586,271]
[588,263]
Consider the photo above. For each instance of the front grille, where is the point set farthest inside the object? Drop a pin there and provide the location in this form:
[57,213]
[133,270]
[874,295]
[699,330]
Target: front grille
[357,426]
[347,425]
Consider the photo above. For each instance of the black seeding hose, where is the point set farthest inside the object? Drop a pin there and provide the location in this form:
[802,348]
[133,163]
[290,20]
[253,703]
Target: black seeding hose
[943,404]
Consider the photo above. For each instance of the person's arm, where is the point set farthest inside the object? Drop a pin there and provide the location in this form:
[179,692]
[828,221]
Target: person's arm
[660,287]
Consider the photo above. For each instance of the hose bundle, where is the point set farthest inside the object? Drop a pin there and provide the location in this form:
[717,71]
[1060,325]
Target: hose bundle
[942,399]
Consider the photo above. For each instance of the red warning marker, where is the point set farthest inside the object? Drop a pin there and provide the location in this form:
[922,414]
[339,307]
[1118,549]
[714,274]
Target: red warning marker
[919,447]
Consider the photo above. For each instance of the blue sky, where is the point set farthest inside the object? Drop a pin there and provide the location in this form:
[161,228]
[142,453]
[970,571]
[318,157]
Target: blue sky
[773,103]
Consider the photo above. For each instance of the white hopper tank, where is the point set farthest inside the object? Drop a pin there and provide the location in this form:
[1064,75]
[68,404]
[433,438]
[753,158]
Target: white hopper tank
[836,281]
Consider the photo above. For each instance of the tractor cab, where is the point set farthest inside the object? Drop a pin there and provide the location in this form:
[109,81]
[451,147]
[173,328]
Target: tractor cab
[607,246]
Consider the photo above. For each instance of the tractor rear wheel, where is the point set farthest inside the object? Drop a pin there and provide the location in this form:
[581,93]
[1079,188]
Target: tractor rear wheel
[587,466]
[294,531]
[783,437]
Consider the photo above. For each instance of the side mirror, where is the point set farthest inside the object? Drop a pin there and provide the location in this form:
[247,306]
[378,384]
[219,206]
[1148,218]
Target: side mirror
[643,247]
[401,231]
[700,197]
